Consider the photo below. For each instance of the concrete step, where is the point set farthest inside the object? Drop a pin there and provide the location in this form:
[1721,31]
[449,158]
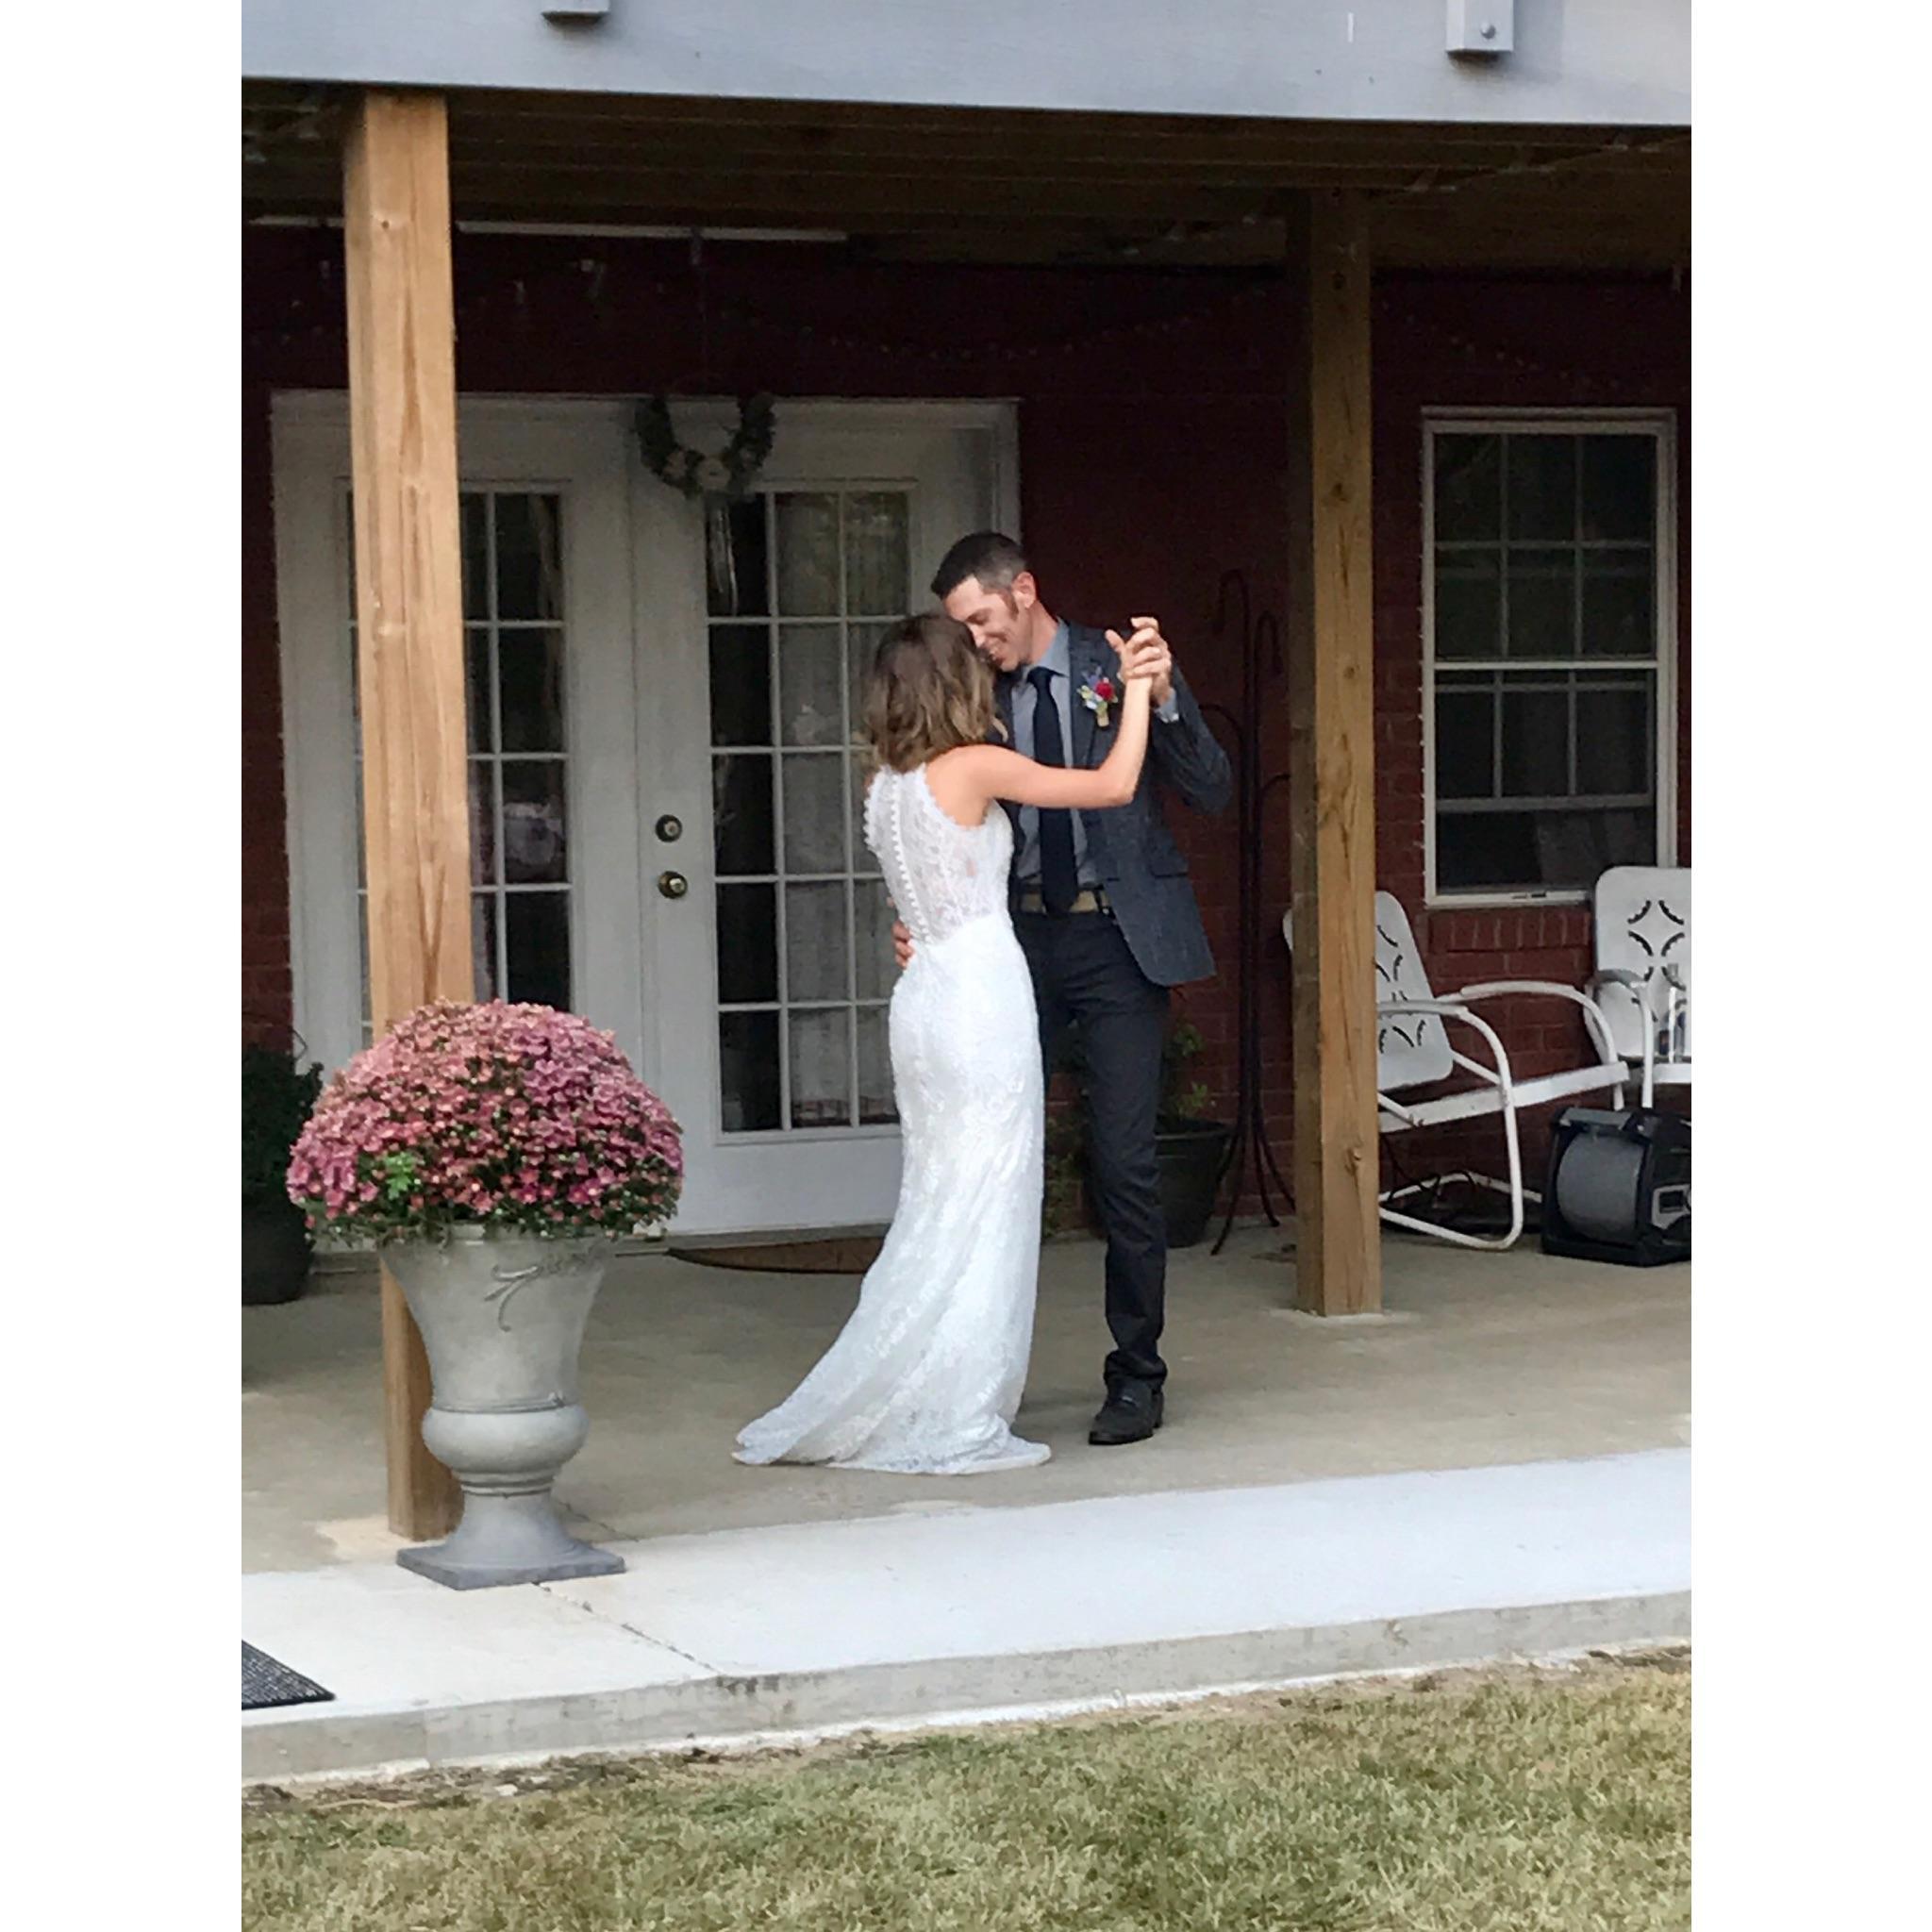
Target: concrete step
[950,1611]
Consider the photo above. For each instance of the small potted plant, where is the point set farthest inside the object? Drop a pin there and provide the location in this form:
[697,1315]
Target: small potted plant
[277,1091]
[494,1153]
[1190,1148]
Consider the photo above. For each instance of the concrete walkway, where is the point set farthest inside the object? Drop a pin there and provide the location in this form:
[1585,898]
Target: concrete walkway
[958,1607]
[1480,1359]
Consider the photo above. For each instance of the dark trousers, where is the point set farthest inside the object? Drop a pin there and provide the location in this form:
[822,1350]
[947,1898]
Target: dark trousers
[1084,976]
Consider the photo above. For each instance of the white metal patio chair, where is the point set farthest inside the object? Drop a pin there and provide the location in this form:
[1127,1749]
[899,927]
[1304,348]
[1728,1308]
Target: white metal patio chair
[1413,1050]
[1642,980]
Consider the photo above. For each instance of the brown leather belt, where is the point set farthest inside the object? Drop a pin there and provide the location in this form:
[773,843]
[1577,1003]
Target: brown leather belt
[1089,899]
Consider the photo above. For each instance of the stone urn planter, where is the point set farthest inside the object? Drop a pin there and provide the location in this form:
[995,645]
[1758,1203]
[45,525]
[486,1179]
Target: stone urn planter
[493,1154]
[503,1320]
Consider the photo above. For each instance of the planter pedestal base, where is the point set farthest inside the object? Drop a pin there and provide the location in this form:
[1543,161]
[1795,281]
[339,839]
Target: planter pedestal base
[508,1540]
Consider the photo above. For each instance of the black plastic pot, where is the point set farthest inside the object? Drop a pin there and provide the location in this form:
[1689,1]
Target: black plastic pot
[274,1255]
[1190,1154]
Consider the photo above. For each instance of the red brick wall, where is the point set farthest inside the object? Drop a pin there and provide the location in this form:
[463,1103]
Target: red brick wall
[1152,459]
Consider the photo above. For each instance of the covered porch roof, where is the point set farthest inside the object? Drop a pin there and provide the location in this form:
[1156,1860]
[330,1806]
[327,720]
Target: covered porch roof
[1010,186]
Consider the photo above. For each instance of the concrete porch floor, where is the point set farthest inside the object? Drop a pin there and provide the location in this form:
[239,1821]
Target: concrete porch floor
[1479,1360]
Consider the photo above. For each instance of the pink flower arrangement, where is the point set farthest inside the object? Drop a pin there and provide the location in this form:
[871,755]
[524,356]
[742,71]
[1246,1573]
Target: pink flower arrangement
[511,1117]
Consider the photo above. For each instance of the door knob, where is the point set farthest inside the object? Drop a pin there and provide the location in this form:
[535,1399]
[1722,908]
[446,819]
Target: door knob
[670,827]
[674,885]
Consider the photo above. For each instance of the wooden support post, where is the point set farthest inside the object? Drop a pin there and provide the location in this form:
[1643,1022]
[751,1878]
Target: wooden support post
[1332,781]
[409,656]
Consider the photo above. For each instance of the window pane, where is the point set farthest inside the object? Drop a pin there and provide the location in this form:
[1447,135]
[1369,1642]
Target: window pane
[815,812]
[534,835]
[815,962]
[741,683]
[810,680]
[1532,851]
[734,575]
[877,1106]
[807,555]
[1469,604]
[530,669]
[535,932]
[529,558]
[1465,744]
[741,822]
[821,1069]
[747,945]
[1536,743]
[475,529]
[1619,603]
[1542,488]
[748,1072]
[1615,740]
[1469,472]
[876,552]
[1542,603]
[1619,488]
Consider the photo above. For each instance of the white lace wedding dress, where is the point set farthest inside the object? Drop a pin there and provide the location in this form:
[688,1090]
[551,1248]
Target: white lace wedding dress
[925,1377]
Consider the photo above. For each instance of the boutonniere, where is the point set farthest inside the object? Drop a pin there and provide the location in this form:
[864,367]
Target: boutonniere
[1098,695]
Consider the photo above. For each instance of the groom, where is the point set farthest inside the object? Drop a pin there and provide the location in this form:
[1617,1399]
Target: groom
[1104,912]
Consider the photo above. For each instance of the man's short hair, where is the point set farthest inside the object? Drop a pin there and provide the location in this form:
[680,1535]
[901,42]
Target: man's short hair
[995,559]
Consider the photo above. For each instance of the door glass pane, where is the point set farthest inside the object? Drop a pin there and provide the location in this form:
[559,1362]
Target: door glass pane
[734,558]
[534,836]
[878,541]
[529,558]
[535,947]
[840,560]
[814,813]
[815,944]
[741,816]
[807,555]
[741,683]
[750,1100]
[747,945]
[821,1068]
[530,689]
[811,702]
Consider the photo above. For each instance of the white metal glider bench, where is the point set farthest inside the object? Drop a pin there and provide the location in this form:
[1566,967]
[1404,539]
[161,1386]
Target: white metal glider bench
[1413,1050]
[1642,980]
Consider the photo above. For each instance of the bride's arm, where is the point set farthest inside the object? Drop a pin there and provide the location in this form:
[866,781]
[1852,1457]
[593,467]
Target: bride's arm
[967,780]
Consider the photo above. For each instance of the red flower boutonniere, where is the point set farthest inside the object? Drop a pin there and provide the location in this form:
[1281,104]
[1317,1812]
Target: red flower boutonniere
[1098,694]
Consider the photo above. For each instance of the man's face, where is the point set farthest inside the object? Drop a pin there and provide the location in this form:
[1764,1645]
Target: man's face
[1002,622]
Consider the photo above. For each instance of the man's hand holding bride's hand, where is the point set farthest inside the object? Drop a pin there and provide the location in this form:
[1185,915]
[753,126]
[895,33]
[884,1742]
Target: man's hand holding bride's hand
[1145,654]
[902,945]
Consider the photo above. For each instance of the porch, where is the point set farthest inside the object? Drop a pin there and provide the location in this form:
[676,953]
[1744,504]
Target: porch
[1492,1465]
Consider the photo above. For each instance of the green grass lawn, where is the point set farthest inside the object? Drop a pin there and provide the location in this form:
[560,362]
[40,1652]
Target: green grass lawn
[1511,1800]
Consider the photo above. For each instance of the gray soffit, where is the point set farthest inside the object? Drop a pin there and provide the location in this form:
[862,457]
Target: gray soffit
[1573,62]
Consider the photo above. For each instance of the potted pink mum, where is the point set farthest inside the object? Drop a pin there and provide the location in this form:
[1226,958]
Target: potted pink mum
[494,1153]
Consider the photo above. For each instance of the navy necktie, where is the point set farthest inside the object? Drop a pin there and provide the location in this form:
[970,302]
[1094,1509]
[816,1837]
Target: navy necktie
[1058,880]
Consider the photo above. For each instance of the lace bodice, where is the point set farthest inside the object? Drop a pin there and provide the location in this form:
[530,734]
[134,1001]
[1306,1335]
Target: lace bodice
[942,875]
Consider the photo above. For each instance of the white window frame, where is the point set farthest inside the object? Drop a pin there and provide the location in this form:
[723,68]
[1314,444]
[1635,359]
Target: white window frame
[1662,425]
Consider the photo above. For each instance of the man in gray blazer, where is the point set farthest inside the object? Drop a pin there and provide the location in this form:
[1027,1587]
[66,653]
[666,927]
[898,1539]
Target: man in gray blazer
[1105,912]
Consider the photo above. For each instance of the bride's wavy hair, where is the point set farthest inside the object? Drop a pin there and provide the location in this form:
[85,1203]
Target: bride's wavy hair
[930,692]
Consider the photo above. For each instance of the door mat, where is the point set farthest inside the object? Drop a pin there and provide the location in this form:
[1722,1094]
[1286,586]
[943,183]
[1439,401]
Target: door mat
[266,1683]
[842,1255]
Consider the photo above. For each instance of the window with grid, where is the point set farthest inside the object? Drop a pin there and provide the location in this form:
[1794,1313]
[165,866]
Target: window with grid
[801,585]
[513,640]
[1546,651]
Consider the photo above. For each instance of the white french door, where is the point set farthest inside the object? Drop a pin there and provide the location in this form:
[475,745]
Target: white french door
[758,622]
[664,775]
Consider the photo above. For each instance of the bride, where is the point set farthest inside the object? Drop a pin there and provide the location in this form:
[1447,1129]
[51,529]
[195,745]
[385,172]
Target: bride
[925,1377]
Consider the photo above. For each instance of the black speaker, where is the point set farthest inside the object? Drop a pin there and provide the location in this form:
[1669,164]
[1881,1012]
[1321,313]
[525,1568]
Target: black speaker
[1619,1187]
